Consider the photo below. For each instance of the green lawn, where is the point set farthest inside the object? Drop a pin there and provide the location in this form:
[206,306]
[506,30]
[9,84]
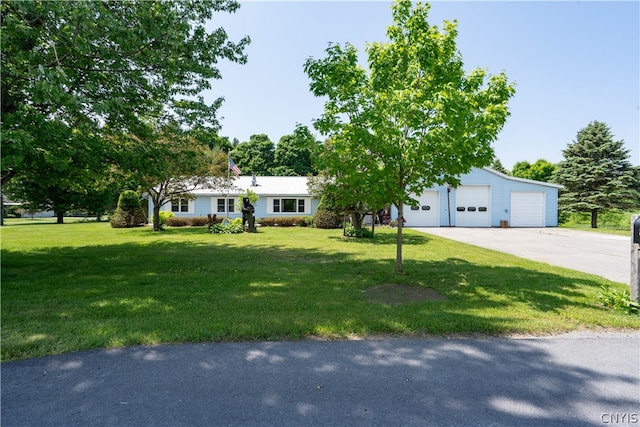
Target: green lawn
[611,221]
[85,285]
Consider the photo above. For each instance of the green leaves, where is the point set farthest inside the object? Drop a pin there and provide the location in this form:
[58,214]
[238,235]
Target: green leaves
[596,173]
[414,119]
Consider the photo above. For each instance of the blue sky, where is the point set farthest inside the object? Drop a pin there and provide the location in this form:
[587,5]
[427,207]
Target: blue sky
[572,62]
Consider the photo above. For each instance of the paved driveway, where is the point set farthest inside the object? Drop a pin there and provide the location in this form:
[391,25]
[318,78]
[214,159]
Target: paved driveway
[602,254]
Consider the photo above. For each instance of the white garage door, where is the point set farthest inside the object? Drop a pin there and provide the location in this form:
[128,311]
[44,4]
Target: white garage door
[527,209]
[427,213]
[472,206]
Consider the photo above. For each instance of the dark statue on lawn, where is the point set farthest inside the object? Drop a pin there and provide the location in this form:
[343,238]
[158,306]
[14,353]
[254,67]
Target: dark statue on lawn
[247,215]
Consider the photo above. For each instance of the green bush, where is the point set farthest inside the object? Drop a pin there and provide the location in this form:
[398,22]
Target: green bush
[234,226]
[351,231]
[164,217]
[325,218]
[618,300]
[129,213]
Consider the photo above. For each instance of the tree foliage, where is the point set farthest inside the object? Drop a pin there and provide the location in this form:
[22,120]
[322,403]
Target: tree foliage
[413,119]
[255,156]
[596,173]
[129,213]
[76,74]
[293,153]
[497,165]
[540,170]
[172,164]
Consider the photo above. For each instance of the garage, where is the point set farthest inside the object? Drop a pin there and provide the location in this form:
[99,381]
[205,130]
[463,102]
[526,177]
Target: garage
[427,213]
[527,209]
[473,206]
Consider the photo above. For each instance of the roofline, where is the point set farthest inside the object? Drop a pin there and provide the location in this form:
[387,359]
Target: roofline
[528,181]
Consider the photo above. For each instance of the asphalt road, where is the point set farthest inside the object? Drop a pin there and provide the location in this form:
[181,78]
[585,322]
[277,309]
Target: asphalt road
[605,255]
[578,379]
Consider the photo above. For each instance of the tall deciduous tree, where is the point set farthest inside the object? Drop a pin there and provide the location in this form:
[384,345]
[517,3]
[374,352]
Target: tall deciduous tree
[175,164]
[293,153]
[540,170]
[413,119]
[596,173]
[102,67]
[256,155]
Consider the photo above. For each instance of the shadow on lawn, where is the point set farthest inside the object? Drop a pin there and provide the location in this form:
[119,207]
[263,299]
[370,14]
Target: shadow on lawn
[167,291]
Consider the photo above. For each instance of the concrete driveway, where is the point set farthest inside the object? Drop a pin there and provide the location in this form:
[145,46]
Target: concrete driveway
[605,255]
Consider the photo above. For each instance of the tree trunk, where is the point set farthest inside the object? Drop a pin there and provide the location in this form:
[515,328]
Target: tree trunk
[356,219]
[60,217]
[1,208]
[399,239]
[594,218]
[156,216]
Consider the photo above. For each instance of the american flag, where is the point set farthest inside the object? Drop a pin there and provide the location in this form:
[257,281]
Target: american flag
[233,167]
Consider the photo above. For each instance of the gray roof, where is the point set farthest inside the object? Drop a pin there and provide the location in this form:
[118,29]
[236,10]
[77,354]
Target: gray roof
[515,178]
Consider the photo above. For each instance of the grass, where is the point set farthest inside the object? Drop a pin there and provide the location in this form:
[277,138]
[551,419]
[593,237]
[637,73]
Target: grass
[85,285]
[611,221]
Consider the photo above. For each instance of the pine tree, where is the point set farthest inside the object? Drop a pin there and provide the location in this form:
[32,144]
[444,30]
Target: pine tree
[596,173]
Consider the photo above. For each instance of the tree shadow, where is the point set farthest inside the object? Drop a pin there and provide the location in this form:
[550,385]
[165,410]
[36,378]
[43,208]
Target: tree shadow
[500,382]
[141,293]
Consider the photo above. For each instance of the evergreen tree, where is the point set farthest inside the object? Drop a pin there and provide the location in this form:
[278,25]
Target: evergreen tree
[497,165]
[596,173]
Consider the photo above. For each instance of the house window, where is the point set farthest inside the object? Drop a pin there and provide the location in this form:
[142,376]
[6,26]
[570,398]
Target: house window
[289,205]
[179,205]
[225,202]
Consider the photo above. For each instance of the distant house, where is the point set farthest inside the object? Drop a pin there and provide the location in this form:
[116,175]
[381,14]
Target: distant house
[485,198]
[278,196]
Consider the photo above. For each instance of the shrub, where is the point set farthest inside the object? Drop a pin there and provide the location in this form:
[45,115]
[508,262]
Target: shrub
[164,217]
[285,221]
[199,221]
[178,222]
[129,213]
[351,231]
[267,222]
[325,218]
[232,227]
[618,300]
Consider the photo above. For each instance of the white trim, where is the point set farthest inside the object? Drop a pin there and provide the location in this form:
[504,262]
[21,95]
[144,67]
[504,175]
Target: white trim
[307,205]
[528,181]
